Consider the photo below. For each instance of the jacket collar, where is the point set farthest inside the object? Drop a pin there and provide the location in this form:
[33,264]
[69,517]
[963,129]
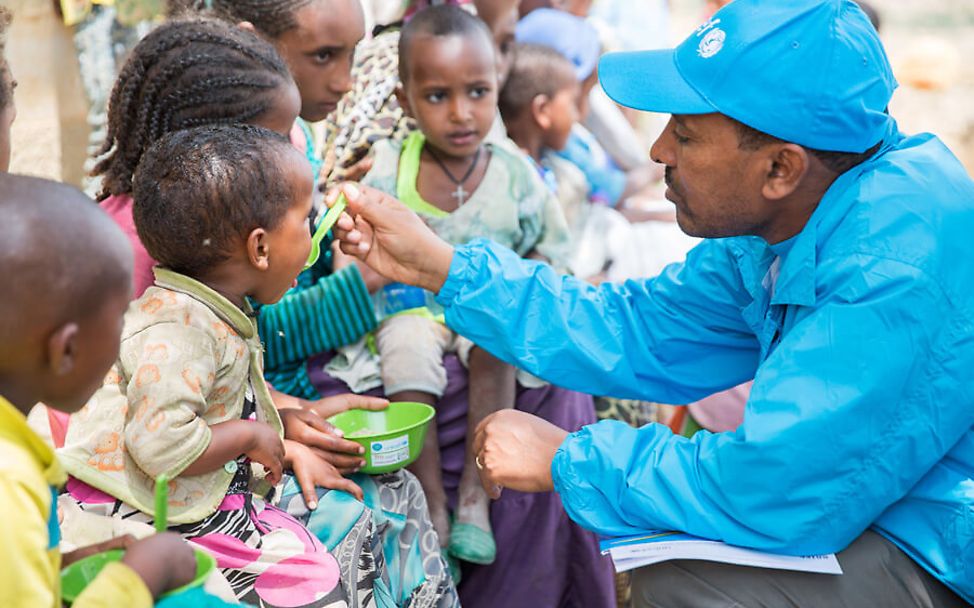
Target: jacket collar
[795,283]
[14,428]
[242,321]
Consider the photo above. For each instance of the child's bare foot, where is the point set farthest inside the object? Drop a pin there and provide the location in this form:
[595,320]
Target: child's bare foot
[440,516]
[474,504]
[472,538]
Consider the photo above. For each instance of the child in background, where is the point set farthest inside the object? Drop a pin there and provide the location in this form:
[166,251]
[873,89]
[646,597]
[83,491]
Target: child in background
[225,211]
[464,189]
[540,106]
[60,335]
[371,111]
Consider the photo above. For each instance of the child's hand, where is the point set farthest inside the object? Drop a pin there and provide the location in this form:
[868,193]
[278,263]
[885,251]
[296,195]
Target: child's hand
[163,561]
[119,542]
[265,447]
[312,471]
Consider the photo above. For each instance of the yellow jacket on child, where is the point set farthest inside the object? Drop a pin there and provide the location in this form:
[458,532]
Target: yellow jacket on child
[31,567]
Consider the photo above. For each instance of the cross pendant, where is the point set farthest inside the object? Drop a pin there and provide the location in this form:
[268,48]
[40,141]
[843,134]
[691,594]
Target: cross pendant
[460,194]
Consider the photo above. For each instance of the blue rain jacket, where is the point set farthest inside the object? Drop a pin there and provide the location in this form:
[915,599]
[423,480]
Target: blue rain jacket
[860,341]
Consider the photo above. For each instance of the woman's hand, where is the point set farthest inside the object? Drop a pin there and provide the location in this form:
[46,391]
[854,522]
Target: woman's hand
[391,239]
[307,425]
[329,406]
[312,471]
[514,450]
[311,430]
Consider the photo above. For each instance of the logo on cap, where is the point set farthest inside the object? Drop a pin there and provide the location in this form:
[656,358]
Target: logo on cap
[711,43]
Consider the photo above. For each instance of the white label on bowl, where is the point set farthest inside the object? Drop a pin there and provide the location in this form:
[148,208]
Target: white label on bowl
[390,451]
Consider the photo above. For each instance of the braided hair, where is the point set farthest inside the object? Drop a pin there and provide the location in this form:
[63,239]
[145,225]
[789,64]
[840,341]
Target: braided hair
[185,73]
[270,17]
[6,79]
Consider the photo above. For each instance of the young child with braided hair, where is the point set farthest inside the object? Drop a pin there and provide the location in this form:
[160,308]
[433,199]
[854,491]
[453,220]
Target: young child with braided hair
[185,74]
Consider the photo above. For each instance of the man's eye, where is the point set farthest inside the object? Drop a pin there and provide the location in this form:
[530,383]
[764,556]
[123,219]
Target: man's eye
[436,97]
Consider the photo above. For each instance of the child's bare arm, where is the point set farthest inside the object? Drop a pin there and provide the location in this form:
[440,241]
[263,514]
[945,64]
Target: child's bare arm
[231,439]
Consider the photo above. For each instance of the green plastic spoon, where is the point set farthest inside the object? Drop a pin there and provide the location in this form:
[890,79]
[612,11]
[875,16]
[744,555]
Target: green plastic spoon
[162,503]
[324,226]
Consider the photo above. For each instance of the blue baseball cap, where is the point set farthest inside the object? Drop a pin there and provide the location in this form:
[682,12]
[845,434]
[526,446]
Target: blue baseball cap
[811,72]
[573,37]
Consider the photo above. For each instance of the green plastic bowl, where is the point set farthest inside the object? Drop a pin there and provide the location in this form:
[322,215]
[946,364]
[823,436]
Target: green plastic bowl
[79,575]
[392,438]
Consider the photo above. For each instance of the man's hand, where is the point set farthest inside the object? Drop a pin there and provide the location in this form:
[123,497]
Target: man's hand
[514,450]
[372,279]
[391,239]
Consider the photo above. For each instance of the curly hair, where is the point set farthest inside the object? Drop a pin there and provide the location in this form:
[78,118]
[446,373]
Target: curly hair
[270,17]
[199,191]
[440,21]
[185,73]
[6,79]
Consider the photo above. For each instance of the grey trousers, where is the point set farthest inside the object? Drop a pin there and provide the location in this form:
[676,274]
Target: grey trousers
[876,574]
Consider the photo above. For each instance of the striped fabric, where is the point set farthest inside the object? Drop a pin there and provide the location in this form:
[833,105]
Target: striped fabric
[320,314]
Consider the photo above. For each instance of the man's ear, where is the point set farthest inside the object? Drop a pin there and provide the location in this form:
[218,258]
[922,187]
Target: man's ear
[247,25]
[62,349]
[787,166]
[258,249]
[539,111]
[403,100]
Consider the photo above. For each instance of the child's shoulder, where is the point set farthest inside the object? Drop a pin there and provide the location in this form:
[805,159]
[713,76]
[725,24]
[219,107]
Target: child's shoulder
[20,472]
[161,306]
[522,178]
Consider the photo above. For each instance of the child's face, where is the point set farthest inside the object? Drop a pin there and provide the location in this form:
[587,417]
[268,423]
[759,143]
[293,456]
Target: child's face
[319,52]
[451,91]
[562,112]
[290,242]
[284,109]
[95,349]
[501,18]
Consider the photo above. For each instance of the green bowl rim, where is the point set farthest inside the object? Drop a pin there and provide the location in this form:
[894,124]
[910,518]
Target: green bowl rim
[116,556]
[429,416]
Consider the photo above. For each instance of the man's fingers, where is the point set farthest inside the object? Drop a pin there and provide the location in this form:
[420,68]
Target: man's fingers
[486,479]
[480,436]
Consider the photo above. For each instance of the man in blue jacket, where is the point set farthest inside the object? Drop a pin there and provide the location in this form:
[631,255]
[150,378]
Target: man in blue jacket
[837,272]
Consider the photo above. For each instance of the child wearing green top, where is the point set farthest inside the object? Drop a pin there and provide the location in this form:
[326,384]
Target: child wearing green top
[465,189]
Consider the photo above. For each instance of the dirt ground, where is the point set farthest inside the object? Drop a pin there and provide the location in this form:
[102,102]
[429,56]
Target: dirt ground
[927,40]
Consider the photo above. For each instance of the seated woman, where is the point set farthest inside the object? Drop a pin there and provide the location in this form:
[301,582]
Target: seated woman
[172,81]
[300,345]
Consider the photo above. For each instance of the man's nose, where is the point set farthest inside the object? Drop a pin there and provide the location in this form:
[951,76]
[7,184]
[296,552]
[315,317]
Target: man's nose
[664,148]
